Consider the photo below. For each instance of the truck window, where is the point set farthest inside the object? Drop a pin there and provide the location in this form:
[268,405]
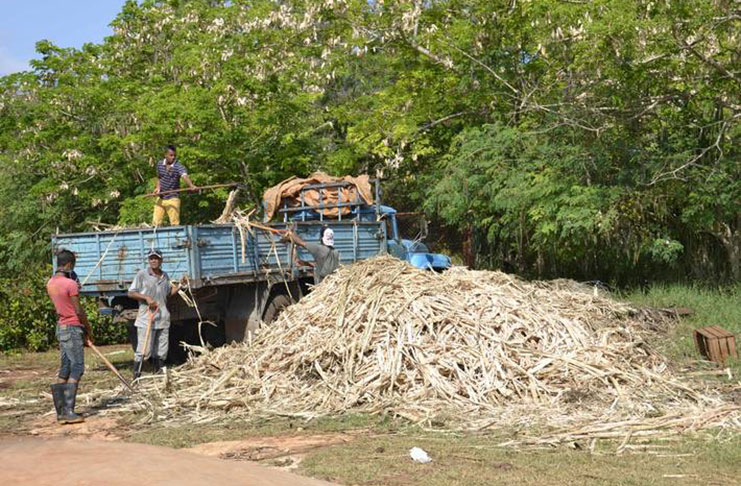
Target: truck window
[412,226]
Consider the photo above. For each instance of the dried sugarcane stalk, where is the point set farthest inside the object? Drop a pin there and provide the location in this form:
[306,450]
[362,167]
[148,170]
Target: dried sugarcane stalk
[477,349]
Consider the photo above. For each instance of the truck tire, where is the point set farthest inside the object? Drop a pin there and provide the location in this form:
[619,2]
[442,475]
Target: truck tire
[275,307]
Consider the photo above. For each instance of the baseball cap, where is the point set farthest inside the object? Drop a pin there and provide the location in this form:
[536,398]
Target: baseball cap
[154,252]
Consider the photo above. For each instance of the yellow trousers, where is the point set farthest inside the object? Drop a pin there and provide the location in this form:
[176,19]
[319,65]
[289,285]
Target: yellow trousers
[171,207]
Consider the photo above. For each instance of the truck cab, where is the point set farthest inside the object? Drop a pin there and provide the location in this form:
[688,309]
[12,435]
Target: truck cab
[411,249]
[408,247]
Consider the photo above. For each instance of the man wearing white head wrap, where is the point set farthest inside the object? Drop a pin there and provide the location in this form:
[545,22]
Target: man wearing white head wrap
[326,258]
[328,237]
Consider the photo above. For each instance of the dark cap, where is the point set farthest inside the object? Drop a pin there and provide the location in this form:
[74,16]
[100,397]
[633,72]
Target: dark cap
[154,252]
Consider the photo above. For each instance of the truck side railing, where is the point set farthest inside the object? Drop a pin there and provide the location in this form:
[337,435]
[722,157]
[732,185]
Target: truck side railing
[210,255]
[322,207]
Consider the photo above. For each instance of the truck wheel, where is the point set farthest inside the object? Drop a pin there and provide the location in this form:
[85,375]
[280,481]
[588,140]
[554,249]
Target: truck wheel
[275,307]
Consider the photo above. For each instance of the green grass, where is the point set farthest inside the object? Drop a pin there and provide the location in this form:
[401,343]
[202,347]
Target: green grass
[712,307]
[25,359]
[48,361]
[179,436]
[471,460]
[380,456]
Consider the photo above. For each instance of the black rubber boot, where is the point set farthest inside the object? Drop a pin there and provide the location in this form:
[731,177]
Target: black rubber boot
[57,394]
[157,363]
[137,369]
[68,411]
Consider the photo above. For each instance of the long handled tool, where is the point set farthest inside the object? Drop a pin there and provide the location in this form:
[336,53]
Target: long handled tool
[146,341]
[111,367]
[276,231]
[187,189]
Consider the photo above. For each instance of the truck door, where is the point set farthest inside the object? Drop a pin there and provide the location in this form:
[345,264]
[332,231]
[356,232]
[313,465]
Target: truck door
[395,248]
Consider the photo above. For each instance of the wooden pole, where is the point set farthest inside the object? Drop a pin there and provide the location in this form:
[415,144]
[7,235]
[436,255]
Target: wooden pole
[146,341]
[188,189]
[276,231]
[111,367]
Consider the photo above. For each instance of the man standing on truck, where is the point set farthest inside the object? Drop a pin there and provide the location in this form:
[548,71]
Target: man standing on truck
[73,333]
[151,287]
[169,173]
[326,258]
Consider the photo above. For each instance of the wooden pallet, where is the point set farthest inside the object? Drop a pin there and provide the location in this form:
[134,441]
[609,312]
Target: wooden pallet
[715,343]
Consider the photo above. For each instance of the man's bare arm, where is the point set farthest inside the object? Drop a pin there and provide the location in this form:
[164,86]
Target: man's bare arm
[296,239]
[304,263]
[139,296]
[189,182]
[83,319]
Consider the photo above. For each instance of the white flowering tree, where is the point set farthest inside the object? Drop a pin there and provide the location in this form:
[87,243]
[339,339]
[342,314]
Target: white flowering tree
[572,137]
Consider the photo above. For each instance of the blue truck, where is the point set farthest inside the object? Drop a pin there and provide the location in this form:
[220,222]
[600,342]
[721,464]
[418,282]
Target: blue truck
[239,276]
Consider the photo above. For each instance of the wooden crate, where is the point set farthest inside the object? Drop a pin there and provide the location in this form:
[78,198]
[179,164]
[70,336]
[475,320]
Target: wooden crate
[715,343]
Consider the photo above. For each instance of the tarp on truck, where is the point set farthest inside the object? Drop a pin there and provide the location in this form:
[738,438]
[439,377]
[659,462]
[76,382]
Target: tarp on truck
[288,193]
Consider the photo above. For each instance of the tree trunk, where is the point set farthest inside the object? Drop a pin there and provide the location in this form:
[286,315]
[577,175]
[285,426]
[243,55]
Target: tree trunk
[521,245]
[731,240]
[734,259]
[468,252]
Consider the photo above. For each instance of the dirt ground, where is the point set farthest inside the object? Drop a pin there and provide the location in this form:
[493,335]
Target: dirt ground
[40,451]
[285,452]
[63,462]
[113,447]
[9,377]
[93,428]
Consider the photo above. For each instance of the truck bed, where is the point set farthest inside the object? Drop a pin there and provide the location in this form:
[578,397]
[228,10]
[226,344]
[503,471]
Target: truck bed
[209,255]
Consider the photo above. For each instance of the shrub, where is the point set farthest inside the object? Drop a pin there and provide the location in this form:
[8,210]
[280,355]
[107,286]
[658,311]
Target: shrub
[28,319]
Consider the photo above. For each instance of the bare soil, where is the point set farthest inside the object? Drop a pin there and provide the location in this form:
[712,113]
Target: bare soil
[61,462]
[37,450]
[108,448]
[94,427]
[11,376]
[285,452]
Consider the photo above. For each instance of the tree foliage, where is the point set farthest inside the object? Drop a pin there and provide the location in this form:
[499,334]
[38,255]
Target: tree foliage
[28,319]
[591,139]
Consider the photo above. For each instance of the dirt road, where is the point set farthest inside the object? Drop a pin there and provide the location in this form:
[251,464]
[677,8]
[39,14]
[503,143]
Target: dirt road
[63,462]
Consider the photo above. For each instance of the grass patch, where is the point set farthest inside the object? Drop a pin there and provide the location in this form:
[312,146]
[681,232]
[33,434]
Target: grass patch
[471,460]
[179,436]
[712,307]
[26,359]
[47,362]
[185,436]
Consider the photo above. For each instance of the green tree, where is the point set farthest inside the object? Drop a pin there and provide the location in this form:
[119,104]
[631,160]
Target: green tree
[600,138]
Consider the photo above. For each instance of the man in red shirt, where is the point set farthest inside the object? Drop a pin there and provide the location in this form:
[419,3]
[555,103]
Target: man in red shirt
[73,333]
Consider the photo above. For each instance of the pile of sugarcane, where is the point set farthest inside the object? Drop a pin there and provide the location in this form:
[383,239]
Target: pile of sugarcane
[465,349]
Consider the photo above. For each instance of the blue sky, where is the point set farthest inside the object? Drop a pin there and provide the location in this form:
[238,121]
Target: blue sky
[66,23]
